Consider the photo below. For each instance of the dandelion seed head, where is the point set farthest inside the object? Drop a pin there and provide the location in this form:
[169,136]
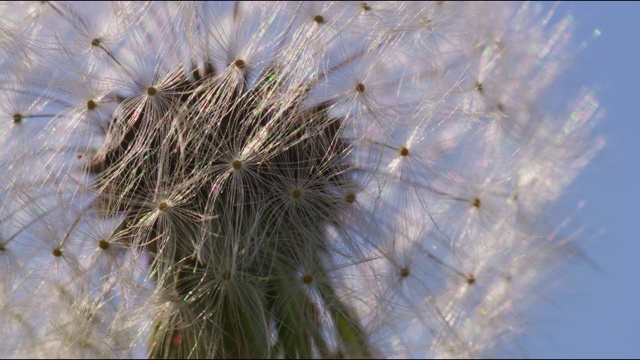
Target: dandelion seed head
[278,179]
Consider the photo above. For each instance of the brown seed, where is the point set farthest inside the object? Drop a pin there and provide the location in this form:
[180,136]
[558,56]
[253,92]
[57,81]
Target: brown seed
[296,193]
[350,198]
[103,244]
[163,206]
[225,275]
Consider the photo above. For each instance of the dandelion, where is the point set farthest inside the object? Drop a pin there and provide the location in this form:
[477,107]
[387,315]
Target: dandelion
[279,179]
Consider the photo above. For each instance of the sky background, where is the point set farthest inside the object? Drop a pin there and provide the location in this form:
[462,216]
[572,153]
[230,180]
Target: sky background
[596,311]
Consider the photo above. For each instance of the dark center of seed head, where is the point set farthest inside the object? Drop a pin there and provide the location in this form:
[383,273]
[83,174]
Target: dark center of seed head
[476,203]
[91,104]
[17,118]
[404,151]
[245,109]
[319,19]
[307,279]
[404,272]
[360,87]
[57,252]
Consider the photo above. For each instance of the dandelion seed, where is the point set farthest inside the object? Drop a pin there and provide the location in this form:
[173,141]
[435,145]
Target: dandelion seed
[296,193]
[163,206]
[350,198]
[236,164]
[239,63]
[307,279]
[103,244]
[91,105]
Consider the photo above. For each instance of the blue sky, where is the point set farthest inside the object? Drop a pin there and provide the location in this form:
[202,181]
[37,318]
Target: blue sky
[596,312]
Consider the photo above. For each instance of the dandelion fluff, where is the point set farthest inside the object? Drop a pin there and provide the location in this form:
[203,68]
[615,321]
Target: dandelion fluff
[279,179]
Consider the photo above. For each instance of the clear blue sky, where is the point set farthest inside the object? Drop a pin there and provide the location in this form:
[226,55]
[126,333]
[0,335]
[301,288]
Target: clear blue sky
[597,313]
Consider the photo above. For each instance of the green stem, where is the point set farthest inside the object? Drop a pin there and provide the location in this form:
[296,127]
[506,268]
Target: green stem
[244,317]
